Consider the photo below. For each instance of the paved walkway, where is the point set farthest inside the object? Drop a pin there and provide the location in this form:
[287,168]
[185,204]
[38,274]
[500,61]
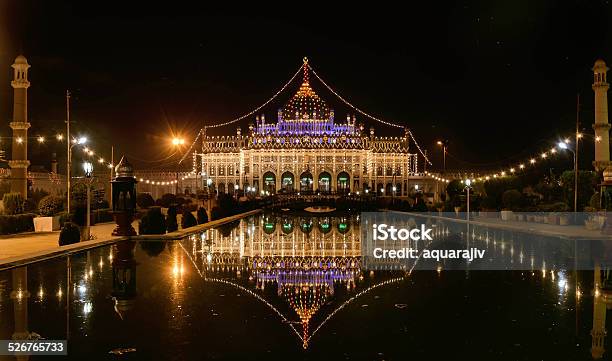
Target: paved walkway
[21,244]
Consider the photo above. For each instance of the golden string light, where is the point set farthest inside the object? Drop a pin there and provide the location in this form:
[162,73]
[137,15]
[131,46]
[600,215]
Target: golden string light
[532,161]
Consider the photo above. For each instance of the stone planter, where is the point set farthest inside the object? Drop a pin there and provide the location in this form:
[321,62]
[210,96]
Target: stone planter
[564,220]
[520,217]
[506,215]
[551,219]
[46,224]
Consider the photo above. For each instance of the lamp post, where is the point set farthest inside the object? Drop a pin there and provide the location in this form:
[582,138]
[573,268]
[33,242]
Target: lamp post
[88,169]
[177,142]
[563,145]
[444,145]
[467,189]
[79,141]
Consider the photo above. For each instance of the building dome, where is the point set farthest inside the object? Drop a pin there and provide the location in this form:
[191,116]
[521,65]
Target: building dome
[306,104]
[20,59]
[124,168]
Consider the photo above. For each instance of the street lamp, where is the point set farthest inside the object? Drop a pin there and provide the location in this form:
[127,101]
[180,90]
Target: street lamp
[468,186]
[88,169]
[75,141]
[563,145]
[176,142]
[444,145]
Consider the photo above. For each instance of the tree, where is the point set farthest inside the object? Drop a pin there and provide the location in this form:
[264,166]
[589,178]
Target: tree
[586,187]
[512,199]
[50,206]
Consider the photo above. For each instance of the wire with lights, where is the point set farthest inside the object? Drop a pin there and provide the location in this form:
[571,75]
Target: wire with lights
[532,161]
[367,115]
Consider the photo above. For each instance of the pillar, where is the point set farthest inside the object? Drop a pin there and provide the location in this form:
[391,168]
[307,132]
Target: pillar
[601,125]
[19,162]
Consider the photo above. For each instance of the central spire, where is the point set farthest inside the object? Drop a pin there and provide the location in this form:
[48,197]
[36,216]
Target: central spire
[305,67]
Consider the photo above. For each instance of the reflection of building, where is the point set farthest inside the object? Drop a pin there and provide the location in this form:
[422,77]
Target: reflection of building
[602,301]
[305,260]
[308,150]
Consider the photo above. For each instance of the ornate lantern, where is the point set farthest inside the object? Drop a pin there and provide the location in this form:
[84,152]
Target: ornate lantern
[124,198]
[124,277]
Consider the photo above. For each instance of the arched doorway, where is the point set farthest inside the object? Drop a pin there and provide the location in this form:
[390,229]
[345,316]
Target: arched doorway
[389,189]
[230,188]
[221,187]
[287,182]
[325,182]
[306,182]
[343,185]
[380,190]
[269,182]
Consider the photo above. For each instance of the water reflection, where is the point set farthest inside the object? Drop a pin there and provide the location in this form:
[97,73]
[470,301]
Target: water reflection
[304,265]
[306,271]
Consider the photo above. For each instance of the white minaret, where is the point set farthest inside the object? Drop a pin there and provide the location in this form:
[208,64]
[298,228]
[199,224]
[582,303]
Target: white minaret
[601,126]
[19,162]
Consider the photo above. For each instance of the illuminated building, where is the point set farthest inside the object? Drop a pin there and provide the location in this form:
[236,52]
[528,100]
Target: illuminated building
[308,150]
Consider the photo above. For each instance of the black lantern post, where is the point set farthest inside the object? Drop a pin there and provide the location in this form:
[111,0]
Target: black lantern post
[124,198]
[124,277]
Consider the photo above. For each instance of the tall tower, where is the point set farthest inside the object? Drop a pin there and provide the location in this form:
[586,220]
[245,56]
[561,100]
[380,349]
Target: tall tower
[19,157]
[601,126]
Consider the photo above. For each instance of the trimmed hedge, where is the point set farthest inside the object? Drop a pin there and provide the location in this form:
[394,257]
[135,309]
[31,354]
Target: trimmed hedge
[188,220]
[69,234]
[50,206]
[153,222]
[17,223]
[13,203]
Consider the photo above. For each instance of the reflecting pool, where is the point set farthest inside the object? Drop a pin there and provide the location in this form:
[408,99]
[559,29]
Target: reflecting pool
[279,286]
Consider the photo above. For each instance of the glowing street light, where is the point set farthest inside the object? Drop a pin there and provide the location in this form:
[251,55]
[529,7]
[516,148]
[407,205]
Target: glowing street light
[40,139]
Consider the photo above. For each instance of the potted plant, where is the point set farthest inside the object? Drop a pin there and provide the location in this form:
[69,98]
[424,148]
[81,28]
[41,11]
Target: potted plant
[49,208]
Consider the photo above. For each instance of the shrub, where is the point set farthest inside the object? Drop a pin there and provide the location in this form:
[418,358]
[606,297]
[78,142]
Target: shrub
[215,214]
[100,204]
[171,222]
[153,222]
[69,234]
[13,203]
[17,223]
[188,220]
[167,200]
[145,200]
[38,194]
[512,199]
[202,215]
[80,215]
[50,206]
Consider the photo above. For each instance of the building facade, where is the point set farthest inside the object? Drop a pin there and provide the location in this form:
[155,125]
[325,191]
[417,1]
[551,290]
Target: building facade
[307,150]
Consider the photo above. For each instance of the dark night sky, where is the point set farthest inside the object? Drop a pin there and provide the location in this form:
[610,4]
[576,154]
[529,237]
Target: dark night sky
[497,78]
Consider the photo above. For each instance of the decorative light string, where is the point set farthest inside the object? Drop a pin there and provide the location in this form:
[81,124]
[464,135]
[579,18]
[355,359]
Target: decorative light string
[532,161]
[368,115]
[259,107]
[191,146]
